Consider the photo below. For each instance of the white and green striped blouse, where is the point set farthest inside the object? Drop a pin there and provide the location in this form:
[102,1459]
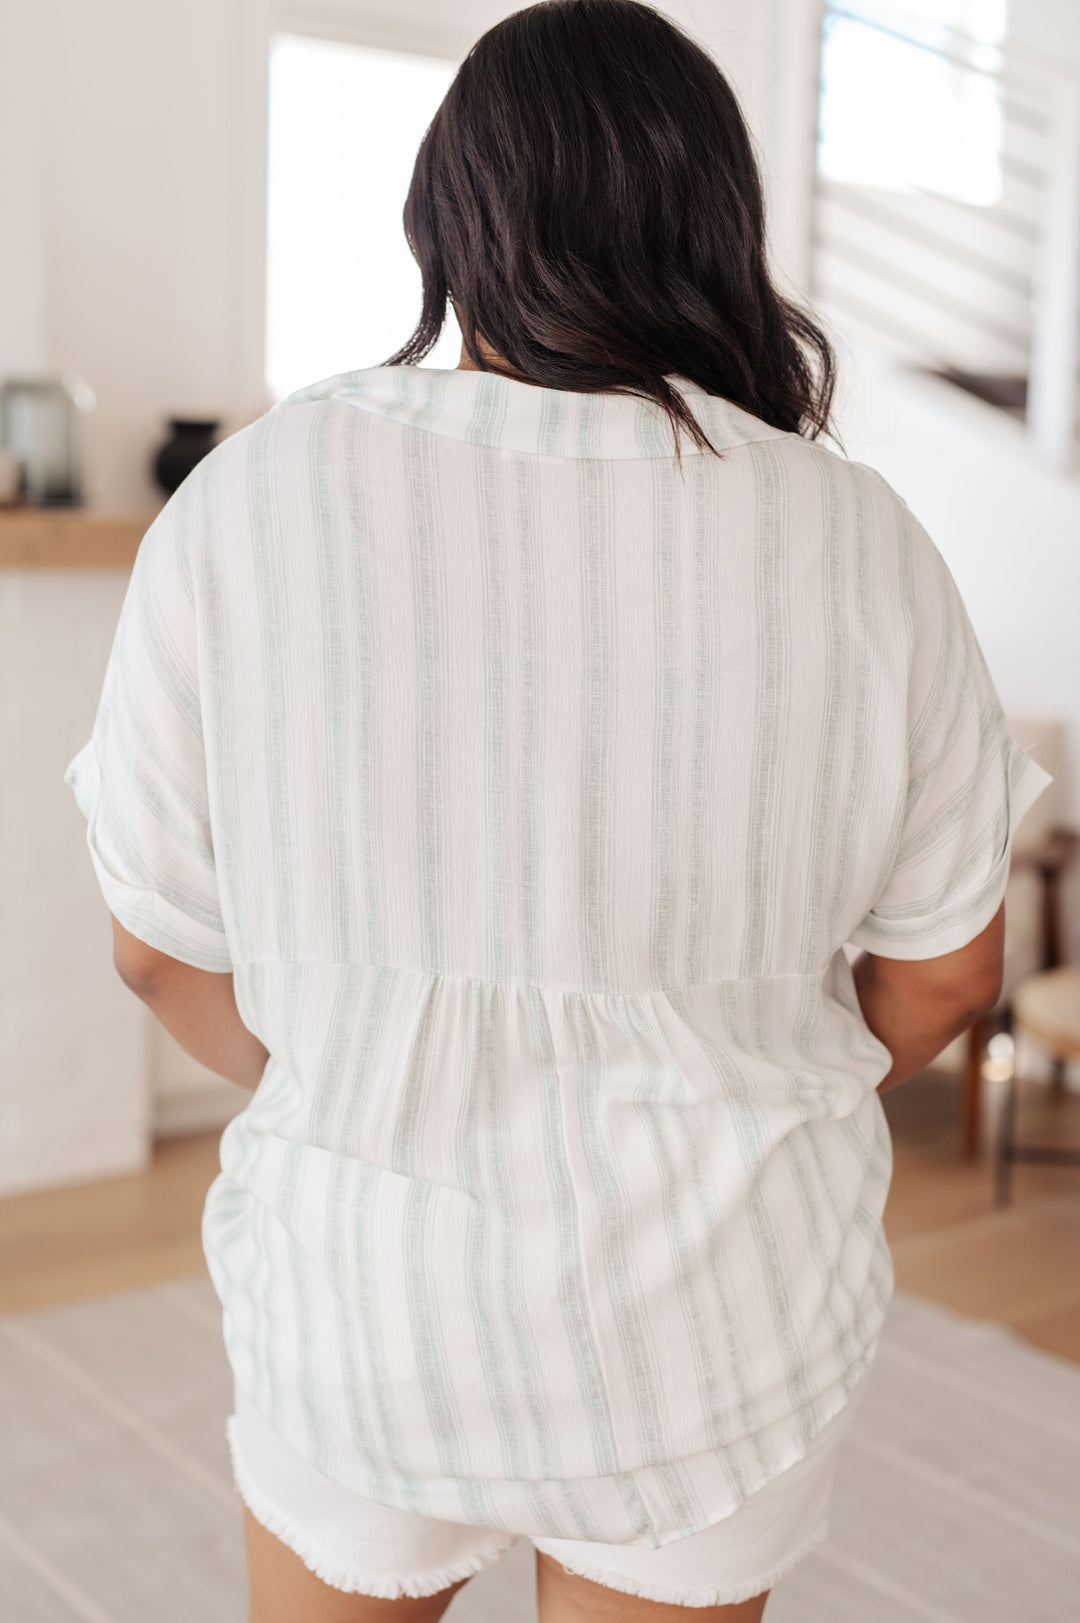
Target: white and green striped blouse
[530,788]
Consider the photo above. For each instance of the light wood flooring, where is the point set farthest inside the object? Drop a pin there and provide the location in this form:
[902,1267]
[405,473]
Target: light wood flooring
[1019,1266]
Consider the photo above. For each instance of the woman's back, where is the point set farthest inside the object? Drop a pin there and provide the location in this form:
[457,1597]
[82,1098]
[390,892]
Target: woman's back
[490,689]
[530,785]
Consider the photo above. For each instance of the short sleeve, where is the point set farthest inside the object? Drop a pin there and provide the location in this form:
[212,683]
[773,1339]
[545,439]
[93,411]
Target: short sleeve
[140,780]
[969,782]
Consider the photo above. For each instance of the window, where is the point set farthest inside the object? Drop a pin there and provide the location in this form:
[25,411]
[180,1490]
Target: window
[343,290]
[909,98]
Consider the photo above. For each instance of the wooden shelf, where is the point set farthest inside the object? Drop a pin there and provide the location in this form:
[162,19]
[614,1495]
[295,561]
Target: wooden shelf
[74,538]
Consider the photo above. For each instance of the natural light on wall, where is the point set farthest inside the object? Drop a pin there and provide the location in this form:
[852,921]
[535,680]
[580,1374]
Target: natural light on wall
[343,290]
[909,116]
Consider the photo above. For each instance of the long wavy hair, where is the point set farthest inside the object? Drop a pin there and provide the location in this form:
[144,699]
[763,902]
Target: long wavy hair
[588,199]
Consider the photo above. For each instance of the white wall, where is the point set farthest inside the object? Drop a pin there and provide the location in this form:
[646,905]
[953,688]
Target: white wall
[21,120]
[1009,530]
[140,232]
[124,210]
[74,1100]
[87,1076]
[1050,27]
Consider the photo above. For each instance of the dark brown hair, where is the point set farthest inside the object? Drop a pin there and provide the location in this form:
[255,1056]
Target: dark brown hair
[588,198]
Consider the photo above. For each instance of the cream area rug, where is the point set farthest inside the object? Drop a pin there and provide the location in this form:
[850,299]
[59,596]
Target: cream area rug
[957,1500]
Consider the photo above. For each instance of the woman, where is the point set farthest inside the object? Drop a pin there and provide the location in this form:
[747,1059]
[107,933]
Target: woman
[491,768]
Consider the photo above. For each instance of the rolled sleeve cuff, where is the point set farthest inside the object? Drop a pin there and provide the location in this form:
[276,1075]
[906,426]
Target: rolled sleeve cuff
[953,926]
[144,913]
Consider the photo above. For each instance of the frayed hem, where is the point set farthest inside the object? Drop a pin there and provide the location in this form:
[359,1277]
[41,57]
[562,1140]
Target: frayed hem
[325,1568]
[731,1596]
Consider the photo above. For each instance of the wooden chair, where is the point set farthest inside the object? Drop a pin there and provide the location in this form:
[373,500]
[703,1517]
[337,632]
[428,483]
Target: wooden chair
[1047,1007]
[1049,860]
[1044,1005]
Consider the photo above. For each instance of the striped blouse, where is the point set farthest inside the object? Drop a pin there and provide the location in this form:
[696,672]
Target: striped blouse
[530,785]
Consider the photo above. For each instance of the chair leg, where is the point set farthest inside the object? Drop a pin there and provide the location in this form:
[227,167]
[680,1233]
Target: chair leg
[1057,1078]
[976,1042]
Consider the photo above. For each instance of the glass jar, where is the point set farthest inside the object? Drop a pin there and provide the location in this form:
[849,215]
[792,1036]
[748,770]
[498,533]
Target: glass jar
[40,423]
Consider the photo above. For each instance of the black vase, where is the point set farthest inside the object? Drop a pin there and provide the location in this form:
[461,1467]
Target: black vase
[187,444]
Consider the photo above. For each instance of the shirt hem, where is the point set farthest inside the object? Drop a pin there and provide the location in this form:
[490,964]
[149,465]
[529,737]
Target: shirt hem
[704,1473]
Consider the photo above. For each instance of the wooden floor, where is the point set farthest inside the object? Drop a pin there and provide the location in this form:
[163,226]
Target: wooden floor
[1019,1266]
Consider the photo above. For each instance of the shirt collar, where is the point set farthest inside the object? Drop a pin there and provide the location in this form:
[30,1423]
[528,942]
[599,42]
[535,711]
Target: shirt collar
[483,408]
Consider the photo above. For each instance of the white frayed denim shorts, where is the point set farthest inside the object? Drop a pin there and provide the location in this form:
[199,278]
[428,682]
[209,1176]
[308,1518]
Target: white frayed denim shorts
[361,1547]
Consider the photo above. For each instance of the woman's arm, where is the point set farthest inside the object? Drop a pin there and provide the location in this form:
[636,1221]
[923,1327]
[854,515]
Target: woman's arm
[197,1007]
[917,1006]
